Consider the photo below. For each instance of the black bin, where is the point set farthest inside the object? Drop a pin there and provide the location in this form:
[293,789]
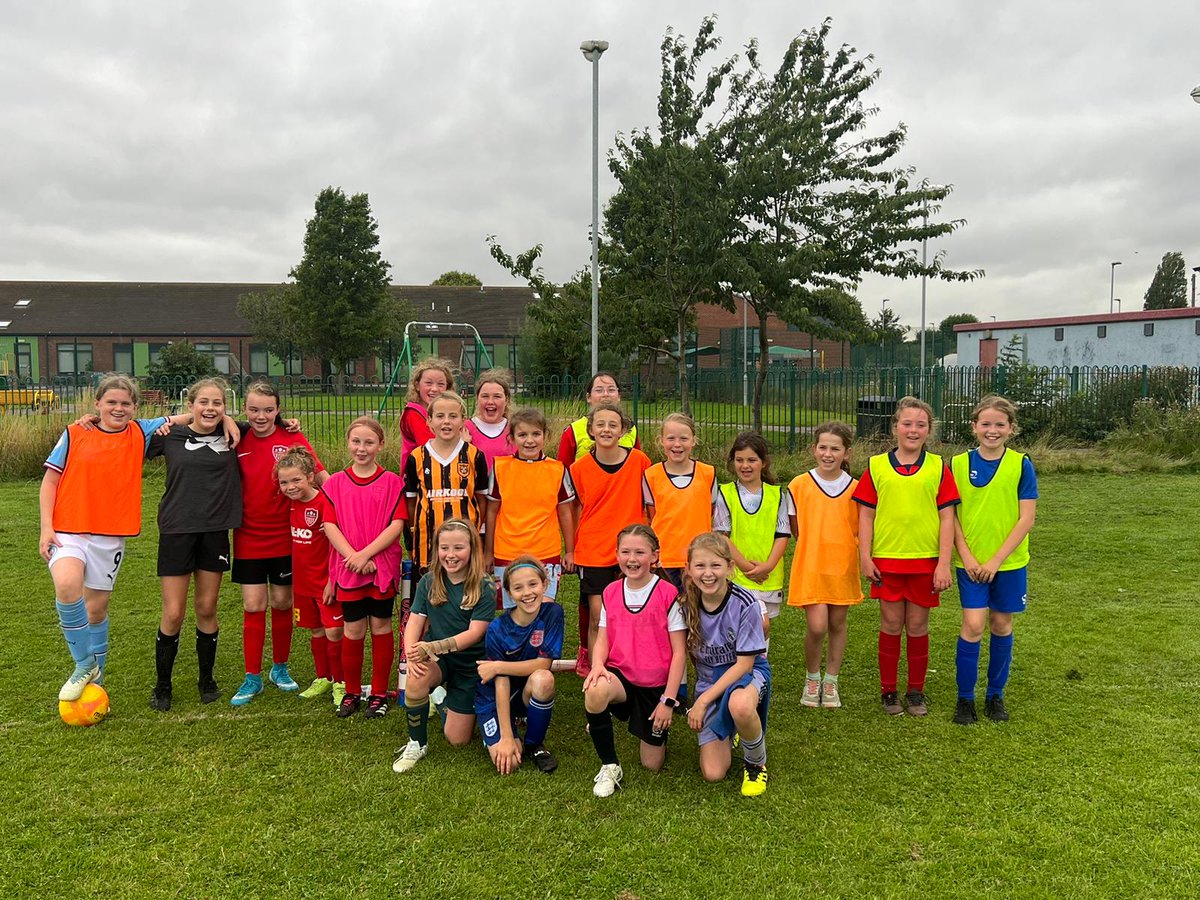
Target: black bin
[874,416]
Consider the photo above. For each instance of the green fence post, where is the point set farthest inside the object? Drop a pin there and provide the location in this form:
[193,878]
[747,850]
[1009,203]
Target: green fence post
[791,409]
[637,385]
[1145,382]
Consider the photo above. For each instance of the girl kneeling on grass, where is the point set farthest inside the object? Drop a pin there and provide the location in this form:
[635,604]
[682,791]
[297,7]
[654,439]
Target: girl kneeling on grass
[733,678]
[90,502]
[999,504]
[639,659]
[443,640]
[905,534]
[515,679]
[825,578]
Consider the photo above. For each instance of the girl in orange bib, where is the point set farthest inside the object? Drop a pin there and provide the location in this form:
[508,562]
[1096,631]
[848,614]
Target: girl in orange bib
[679,493]
[905,537]
[825,579]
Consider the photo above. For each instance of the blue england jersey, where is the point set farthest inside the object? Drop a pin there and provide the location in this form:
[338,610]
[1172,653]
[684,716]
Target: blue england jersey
[506,641]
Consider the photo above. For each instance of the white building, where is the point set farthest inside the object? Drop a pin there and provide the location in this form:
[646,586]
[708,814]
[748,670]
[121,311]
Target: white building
[1160,337]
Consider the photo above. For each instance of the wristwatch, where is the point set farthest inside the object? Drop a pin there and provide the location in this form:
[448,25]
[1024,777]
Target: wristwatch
[668,702]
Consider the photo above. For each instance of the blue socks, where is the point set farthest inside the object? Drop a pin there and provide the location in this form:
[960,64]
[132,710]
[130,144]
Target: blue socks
[74,621]
[999,660]
[99,641]
[967,668]
[539,720]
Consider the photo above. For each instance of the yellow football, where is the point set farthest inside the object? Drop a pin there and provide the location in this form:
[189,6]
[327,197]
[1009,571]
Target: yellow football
[90,708]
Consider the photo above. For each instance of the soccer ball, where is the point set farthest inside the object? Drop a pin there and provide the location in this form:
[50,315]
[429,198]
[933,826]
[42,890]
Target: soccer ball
[89,709]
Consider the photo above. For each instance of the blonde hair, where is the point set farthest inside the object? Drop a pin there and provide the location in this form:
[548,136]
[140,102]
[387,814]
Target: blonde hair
[710,542]
[449,397]
[196,387]
[473,584]
[502,378]
[679,418]
[297,458]
[525,561]
[369,423]
[842,432]
[430,362]
[1001,405]
[116,381]
[626,422]
[913,403]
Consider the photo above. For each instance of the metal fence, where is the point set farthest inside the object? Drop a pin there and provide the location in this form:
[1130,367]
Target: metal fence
[1079,404]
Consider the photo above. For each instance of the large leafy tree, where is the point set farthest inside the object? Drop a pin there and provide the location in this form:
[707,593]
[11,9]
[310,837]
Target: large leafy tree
[667,228]
[821,201]
[1168,288]
[179,364]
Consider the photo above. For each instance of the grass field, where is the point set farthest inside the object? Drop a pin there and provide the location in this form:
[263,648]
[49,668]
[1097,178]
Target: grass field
[1090,791]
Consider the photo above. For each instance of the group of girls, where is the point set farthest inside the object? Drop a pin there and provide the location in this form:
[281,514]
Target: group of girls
[480,502]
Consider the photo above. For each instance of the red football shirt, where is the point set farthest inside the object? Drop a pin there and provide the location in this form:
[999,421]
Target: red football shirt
[310,547]
[264,531]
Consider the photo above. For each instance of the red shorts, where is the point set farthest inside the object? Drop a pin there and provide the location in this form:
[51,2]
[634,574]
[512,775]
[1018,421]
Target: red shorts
[312,613]
[915,587]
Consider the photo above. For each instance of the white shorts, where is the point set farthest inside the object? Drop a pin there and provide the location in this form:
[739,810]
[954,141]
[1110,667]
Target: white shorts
[553,569]
[770,602]
[100,554]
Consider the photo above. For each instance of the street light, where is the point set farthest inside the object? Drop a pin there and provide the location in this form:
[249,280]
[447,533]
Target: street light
[882,326]
[1112,280]
[592,51]
[1195,269]
[924,257]
[1196,93]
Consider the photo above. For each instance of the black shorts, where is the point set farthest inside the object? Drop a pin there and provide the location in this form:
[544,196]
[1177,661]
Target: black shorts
[274,570]
[639,705]
[460,678]
[183,554]
[357,610]
[594,579]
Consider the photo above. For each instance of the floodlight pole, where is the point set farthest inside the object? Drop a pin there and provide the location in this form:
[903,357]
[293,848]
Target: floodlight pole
[1112,283]
[592,51]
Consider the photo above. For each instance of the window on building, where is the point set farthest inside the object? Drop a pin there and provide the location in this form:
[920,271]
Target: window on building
[156,351]
[1058,334]
[24,360]
[1198,326]
[471,357]
[1148,329]
[1102,331]
[260,360]
[294,364]
[219,354]
[123,358]
[74,358]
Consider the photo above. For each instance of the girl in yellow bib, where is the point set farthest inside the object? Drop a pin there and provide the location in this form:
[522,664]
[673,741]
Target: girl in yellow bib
[679,493]
[755,513]
[825,579]
[991,534]
[905,536]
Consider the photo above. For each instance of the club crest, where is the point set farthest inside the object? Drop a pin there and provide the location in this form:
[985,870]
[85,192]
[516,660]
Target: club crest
[535,639]
[310,517]
[464,469]
[277,451]
[490,727]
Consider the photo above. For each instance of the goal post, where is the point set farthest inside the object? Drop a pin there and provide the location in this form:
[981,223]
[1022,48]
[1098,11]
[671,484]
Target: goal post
[404,362]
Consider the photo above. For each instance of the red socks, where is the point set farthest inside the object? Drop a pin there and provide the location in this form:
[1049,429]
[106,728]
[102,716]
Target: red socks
[333,649]
[918,661]
[281,635]
[254,635]
[352,663]
[383,654]
[889,660]
[320,654]
[585,618]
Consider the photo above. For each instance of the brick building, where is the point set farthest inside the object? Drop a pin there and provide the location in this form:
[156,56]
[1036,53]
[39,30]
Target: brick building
[719,338]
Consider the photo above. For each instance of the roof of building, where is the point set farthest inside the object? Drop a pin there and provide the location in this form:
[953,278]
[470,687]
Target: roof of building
[1141,315]
[210,309]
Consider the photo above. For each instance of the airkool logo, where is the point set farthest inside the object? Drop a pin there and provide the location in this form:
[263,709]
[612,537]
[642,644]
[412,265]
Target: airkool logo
[310,517]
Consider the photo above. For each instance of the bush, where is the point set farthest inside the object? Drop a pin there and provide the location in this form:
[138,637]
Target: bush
[1172,431]
[1109,403]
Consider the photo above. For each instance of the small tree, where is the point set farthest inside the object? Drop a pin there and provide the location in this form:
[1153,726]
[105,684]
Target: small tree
[946,327]
[179,364]
[454,278]
[1168,289]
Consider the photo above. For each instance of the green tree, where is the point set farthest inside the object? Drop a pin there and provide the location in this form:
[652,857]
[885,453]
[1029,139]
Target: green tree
[179,364]
[454,278]
[887,331]
[340,304]
[820,202]
[669,224]
[946,328]
[1168,289]
[269,313]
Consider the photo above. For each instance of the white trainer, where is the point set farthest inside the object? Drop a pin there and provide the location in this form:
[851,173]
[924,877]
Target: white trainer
[830,697]
[608,780]
[85,673]
[412,754]
[812,692]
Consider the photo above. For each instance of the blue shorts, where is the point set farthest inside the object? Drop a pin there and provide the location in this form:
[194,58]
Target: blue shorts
[1005,593]
[760,679]
[554,570]
[489,723]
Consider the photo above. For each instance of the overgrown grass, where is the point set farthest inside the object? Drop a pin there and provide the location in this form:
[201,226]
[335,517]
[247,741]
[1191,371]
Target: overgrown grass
[1089,791]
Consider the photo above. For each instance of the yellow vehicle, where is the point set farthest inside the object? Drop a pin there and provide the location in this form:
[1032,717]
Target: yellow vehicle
[13,397]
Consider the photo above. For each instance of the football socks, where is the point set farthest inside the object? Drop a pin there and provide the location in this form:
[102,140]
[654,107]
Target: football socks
[206,654]
[320,655]
[539,720]
[889,661]
[254,635]
[72,617]
[967,667]
[755,751]
[918,661]
[383,654]
[352,664]
[600,727]
[418,720]
[282,623]
[999,659]
[166,646]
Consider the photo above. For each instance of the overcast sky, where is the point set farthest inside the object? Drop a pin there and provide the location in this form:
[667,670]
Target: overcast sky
[187,141]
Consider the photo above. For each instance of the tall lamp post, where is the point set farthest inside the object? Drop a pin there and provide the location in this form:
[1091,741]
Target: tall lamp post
[883,326]
[1118,302]
[1112,281]
[592,51]
[1195,269]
